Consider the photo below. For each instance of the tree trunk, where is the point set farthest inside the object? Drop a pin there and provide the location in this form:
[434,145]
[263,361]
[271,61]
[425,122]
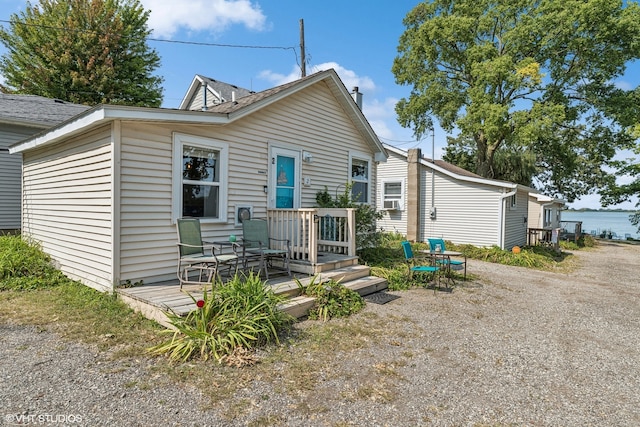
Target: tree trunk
[484,159]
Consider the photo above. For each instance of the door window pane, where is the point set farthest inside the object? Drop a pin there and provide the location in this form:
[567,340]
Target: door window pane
[285,182]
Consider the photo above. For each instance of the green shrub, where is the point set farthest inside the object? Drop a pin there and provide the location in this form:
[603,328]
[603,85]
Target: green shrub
[24,266]
[239,314]
[367,235]
[332,299]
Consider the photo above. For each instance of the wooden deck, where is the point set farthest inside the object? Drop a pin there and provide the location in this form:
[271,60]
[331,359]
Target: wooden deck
[155,300]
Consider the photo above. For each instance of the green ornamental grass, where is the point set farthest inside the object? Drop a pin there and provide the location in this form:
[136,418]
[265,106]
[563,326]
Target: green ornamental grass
[24,266]
[241,313]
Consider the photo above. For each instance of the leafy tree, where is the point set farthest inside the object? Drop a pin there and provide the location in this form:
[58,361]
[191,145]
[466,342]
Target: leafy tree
[525,76]
[511,164]
[83,51]
[617,193]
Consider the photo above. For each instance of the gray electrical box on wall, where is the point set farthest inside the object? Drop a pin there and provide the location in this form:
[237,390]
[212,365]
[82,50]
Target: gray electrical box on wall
[432,213]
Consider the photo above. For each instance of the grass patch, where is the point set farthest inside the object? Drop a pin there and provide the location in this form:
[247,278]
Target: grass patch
[33,292]
[387,261]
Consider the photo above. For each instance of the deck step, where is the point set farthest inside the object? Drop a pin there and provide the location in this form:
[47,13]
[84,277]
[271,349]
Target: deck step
[299,306]
[154,300]
[367,285]
[343,275]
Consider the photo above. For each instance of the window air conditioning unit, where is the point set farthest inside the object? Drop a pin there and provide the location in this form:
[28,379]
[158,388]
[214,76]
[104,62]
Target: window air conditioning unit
[392,205]
[242,213]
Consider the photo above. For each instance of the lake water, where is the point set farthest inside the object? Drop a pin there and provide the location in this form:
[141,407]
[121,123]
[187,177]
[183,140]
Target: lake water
[600,221]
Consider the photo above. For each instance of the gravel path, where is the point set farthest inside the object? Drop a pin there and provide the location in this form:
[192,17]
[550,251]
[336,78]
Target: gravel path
[515,347]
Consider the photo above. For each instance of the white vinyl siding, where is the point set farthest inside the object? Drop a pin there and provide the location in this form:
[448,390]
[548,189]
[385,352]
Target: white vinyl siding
[534,213]
[467,212]
[106,217]
[394,169]
[312,121]
[515,226]
[67,206]
[10,175]
[148,248]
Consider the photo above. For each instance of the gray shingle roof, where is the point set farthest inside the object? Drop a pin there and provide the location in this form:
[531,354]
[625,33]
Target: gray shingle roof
[456,169]
[36,110]
[225,89]
[230,107]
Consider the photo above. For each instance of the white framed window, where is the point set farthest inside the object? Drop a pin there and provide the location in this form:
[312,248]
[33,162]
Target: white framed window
[392,194]
[513,202]
[360,177]
[199,178]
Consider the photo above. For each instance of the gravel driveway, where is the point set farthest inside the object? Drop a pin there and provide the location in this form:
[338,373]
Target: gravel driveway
[515,347]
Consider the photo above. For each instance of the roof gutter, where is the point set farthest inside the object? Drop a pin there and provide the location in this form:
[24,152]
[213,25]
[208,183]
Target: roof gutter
[105,113]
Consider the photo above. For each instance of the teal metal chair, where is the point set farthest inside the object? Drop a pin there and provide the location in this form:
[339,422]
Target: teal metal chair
[412,262]
[197,259]
[447,262]
[258,245]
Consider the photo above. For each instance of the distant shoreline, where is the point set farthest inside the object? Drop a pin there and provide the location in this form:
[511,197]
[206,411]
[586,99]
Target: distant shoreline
[601,210]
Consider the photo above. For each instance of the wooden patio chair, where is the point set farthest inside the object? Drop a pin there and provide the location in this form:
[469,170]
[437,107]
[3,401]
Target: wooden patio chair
[199,259]
[257,244]
[447,262]
[416,265]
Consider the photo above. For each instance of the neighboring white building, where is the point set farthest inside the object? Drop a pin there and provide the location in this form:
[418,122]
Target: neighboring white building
[545,212]
[22,116]
[102,191]
[423,199]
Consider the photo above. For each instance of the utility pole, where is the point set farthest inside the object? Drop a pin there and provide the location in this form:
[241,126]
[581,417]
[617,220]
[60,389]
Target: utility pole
[303,66]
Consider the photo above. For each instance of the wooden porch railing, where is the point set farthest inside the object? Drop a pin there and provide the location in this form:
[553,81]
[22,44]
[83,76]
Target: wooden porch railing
[543,237]
[314,230]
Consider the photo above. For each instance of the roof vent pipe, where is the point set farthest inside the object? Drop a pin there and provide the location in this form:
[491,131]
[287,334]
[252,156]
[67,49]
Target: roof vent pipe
[357,97]
[233,96]
[204,97]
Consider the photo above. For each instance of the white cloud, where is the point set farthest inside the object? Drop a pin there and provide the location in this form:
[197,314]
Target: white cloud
[624,85]
[169,16]
[381,116]
[348,77]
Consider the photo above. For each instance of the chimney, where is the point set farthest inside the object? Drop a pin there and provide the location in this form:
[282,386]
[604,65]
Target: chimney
[413,194]
[357,96]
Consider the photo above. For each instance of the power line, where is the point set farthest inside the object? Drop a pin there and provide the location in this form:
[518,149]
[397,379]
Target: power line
[222,44]
[237,46]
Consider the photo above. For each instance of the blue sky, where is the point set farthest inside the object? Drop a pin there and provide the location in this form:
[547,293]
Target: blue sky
[358,38]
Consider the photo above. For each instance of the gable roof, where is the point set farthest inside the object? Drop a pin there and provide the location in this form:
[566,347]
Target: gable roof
[461,174]
[221,91]
[36,111]
[225,113]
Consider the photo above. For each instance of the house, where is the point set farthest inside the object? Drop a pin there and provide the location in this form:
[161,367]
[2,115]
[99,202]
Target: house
[545,221]
[205,92]
[424,198]
[102,191]
[545,212]
[22,116]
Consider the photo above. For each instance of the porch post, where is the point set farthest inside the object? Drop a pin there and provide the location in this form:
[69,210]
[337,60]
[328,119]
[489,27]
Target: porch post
[413,194]
[351,230]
